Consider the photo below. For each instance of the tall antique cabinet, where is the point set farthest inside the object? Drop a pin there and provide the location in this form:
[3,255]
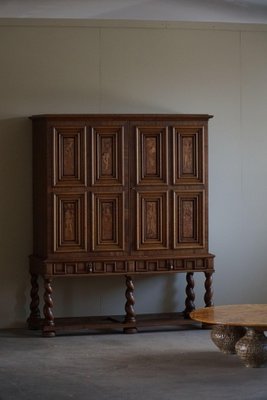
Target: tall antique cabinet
[119,195]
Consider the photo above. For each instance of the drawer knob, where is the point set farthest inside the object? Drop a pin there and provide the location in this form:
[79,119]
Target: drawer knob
[90,267]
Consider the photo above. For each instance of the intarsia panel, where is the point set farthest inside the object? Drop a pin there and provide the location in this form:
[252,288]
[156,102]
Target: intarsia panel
[107,155]
[151,223]
[189,217]
[188,155]
[108,221]
[70,227]
[69,156]
[151,155]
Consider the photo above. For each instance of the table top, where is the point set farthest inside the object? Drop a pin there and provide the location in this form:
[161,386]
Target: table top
[234,315]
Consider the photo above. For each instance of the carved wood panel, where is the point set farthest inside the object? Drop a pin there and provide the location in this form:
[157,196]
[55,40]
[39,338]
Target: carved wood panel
[108,222]
[189,217]
[70,227]
[69,156]
[151,155]
[188,155]
[107,155]
[152,220]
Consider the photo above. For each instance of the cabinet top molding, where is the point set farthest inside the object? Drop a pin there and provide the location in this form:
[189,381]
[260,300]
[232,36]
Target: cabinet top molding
[132,117]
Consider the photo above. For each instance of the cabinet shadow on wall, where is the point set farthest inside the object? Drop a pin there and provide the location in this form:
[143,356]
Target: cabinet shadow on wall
[15,216]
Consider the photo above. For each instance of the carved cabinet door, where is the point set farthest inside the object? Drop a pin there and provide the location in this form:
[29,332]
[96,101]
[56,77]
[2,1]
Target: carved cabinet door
[120,187]
[189,143]
[90,188]
[108,188]
[167,189]
[68,187]
[149,192]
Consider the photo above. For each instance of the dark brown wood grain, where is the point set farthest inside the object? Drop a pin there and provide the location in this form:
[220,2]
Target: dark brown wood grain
[119,194]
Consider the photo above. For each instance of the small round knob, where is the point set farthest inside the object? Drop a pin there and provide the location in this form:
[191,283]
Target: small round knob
[171,266]
[89,267]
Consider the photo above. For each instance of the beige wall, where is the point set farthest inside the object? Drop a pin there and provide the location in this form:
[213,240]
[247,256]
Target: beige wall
[84,67]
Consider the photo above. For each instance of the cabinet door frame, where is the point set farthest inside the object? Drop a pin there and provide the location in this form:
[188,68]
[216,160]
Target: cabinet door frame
[189,162]
[108,187]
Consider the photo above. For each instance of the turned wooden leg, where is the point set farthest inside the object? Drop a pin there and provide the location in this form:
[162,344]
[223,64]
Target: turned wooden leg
[208,290]
[225,337]
[34,319]
[252,348]
[49,324]
[190,295]
[129,306]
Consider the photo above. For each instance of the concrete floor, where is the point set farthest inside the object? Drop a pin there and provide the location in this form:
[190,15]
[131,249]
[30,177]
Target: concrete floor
[159,365]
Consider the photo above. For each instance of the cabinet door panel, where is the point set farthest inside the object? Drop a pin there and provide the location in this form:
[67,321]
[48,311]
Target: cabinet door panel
[152,217]
[69,156]
[108,222]
[189,229]
[151,155]
[188,155]
[107,155]
[70,228]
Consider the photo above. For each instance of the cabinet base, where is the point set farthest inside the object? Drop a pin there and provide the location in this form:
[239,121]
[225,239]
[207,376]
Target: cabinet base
[144,321]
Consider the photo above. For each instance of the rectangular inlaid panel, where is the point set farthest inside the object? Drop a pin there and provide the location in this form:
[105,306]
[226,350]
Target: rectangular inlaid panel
[151,223]
[107,155]
[59,269]
[115,266]
[151,154]
[179,265]
[108,221]
[164,265]
[188,155]
[69,156]
[189,219]
[99,267]
[70,228]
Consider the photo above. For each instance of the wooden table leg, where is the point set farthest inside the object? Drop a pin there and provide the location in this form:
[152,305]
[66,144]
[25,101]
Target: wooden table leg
[129,306]
[34,320]
[208,290]
[252,348]
[190,295]
[49,324]
[225,337]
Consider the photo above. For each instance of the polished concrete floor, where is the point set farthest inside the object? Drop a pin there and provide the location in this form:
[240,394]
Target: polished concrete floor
[158,365]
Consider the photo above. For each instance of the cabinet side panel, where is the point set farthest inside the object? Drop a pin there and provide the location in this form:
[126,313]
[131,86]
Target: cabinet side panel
[39,147]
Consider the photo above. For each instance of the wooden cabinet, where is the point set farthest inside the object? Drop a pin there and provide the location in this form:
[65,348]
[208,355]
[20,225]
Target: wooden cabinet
[119,194]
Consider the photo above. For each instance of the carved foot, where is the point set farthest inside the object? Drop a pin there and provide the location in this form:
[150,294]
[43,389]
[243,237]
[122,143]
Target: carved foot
[130,330]
[252,348]
[48,333]
[225,337]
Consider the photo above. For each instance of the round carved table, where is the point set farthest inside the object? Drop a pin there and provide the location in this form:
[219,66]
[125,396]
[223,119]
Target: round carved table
[238,329]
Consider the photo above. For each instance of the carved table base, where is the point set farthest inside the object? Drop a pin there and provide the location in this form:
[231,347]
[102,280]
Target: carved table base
[249,344]
[225,337]
[252,348]
[238,328]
